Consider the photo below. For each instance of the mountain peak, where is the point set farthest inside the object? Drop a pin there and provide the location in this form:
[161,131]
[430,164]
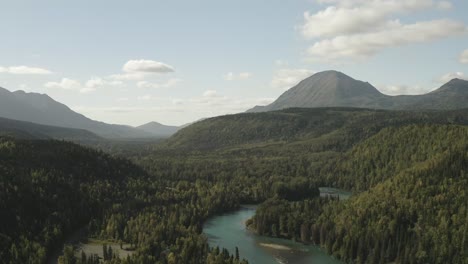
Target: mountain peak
[327,88]
[152,123]
[329,75]
[457,80]
[335,73]
[42,109]
[158,129]
[458,86]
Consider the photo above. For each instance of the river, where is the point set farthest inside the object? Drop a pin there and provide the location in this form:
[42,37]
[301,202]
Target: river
[228,231]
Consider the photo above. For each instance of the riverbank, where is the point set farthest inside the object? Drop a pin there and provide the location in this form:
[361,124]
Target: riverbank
[275,246]
[229,231]
[90,246]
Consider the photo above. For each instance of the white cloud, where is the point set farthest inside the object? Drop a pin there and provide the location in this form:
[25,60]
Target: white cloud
[128,76]
[363,28]
[281,63]
[99,82]
[172,82]
[177,101]
[464,57]
[145,84]
[122,99]
[86,90]
[170,109]
[265,101]
[24,87]
[65,84]
[74,85]
[169,83]
[350,17]
[145,97]
[230,76]
[146,66]
[445,5]
[404,90]
[244,75]
[287,78]
[210,93]
[418,89]
[138,70]
[24,70]
[368,44]
[450,76]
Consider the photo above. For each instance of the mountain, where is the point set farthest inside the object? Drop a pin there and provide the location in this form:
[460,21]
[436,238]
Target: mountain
[28,130]
[322,128]
[328,89]
[452,95]
[41,109]
[332,89]
[48,189]
[158,129]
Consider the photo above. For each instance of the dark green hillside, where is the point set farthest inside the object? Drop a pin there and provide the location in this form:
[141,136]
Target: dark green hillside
[338,128]
[28,130]
[286,125]
[413,208]
[50,188]
[393,150]
[420,215]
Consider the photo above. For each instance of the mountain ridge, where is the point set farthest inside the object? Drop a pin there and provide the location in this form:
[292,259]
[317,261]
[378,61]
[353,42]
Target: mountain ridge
[42,109]
[158,129]
[29,130]
[336,89]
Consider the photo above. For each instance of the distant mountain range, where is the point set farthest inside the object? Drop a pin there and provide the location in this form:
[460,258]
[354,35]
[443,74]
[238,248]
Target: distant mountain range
[41,109]
[318,128]
[335,89]
[28,130]
[324,89]
[158,129]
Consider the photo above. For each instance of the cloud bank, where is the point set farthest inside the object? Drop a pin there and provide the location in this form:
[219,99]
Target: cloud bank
[350,29]
[24,70]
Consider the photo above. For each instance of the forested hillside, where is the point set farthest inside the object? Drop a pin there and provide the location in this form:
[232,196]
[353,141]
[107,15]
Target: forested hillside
[48,189]
[337,128]
[391,151]
[407,171]
[418,216]
[413,208]
[28,130]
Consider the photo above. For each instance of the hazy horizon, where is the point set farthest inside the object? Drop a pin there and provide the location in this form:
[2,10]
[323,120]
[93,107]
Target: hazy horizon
[132,63]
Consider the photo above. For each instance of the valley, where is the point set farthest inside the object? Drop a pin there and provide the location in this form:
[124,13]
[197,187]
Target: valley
[234,132]
[229,231]
[163,194]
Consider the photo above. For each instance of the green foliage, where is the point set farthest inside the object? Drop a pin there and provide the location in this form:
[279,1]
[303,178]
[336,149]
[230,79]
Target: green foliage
[328,128]
[49,188]
[413,208]
[407,170]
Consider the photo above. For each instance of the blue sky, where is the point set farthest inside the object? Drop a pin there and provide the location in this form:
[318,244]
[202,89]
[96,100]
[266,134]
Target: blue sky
[132,62]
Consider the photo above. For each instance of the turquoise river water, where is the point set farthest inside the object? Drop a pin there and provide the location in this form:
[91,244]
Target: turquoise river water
[229,231]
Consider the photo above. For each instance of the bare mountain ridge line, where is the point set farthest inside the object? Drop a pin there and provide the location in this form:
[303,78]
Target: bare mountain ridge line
[324,89]
[29,130]
[42,109]
[336,89]
[159,129]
